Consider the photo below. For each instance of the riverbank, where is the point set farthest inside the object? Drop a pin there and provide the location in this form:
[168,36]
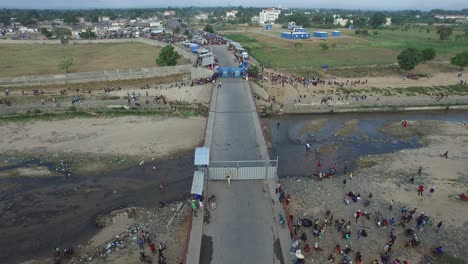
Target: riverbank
[387,177]
[117,239]
[371,94]
[41,213]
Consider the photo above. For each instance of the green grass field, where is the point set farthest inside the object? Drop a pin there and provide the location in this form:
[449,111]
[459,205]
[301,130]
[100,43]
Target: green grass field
[349,50]
[33,59]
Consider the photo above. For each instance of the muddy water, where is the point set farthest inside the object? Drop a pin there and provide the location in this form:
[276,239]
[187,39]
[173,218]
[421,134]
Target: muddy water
[40,214]
[288,139]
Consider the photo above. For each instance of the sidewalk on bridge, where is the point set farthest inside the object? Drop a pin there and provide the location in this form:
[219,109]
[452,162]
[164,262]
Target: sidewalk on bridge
[195,240]
[282,230]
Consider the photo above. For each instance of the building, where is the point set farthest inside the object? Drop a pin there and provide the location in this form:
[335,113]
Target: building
[255,19]
[58,21]
[155,24]
[231,14]
[269,15]
[388,22]
[169,13]
[295,35]
[104,19]
[202,16]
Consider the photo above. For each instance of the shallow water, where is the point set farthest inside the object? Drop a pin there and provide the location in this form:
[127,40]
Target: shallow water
[38,214]
[288,144]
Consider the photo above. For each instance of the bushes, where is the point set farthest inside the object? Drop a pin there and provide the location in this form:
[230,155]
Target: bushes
[363,32]
[411,57]
[428,54]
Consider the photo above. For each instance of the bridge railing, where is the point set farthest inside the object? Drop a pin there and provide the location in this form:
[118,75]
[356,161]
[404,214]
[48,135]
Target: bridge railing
[243,169]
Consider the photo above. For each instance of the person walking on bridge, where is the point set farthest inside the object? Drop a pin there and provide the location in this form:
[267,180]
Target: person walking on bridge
[228,178]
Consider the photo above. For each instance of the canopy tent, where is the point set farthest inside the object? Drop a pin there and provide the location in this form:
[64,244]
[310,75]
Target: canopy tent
[202,156]
[207,61]
[202,51]
[197,183]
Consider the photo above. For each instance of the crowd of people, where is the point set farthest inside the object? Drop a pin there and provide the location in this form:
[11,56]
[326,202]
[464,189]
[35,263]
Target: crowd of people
[144,238]
[282,79]
[320,227]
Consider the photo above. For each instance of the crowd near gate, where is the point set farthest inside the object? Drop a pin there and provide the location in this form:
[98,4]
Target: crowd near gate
[243,170]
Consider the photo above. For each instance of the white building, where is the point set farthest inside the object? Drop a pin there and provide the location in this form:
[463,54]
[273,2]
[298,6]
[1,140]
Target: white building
[341,21]
[388,22]
[169,13]
[202,16]
[155,24]
[231,14]
[269,15]
[104,19]
[255,19]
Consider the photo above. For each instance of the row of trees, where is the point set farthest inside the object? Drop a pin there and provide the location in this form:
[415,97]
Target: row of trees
[411,57]
[58,32]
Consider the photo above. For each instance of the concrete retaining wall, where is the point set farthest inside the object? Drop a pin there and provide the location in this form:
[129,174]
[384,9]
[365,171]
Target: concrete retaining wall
[112,75]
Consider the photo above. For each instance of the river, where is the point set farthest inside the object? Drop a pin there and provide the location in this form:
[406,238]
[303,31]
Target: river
[288,139]
[38,214]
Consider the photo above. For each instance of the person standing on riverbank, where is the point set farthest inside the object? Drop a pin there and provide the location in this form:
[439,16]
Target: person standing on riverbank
[431,191]
[420,190]
[439,225]
[445,155]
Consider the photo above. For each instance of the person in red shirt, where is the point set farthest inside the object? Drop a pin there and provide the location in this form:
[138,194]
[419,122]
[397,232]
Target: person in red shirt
[358,214]
[420,190]
[153,248]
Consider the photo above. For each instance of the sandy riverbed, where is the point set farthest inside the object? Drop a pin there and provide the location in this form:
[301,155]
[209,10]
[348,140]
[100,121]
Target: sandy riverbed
[388,180]
[135,136]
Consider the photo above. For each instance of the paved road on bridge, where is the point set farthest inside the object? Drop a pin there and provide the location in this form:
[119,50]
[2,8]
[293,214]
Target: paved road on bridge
[242,228]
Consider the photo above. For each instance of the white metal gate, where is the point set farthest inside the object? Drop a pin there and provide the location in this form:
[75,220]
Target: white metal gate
[243,170]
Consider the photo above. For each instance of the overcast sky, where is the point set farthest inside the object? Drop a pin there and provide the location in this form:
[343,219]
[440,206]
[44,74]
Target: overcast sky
[342,4]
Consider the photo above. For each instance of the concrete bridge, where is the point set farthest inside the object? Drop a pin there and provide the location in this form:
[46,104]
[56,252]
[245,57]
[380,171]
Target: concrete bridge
[245,227]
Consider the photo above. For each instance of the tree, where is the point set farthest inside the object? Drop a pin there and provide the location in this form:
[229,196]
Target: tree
[409,58]
[253,71]
[61,32]
[167,56]
[348,24]
[301,19]
[70,20]
[397,20]
[375,32]
[46,32]
[428,54]
[377,19]
[88,34]
[209,28]
[460,59]
[324,46]
[65,64]
[176,30]
[444,32]
[360,22]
